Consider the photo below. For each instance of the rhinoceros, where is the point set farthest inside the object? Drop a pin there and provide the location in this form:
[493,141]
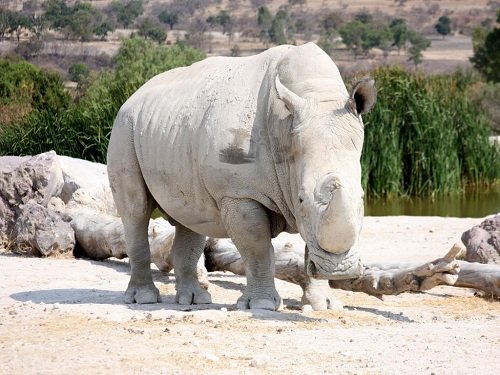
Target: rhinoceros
[242,148]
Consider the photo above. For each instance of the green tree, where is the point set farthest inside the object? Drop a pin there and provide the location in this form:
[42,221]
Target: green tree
[486,58]
[364,16]
[265,22]
[331,22]
[168,18]
[103,28]
[152,29]
[399,31]
[443,26]
[4,22]
[83,21]
[127,11]
[222,19]
[38,24]
[282,27]
[352,34]
[375,36]
[17,22]
[57,13]
[78,72]
[419,43]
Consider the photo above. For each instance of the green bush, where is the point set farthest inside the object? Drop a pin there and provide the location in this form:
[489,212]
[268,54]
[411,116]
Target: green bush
[425,136]
[78,72]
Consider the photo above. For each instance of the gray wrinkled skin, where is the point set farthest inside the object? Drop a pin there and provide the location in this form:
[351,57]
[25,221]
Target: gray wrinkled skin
[243,148]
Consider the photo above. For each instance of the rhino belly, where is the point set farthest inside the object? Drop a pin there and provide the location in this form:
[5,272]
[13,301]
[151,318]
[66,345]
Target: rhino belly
[185,202]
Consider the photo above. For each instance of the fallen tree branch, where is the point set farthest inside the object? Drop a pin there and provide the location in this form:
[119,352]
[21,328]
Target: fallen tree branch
[377,280]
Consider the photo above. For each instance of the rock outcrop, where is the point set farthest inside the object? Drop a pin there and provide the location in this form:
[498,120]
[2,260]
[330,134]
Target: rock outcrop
[483,241]
[29,217]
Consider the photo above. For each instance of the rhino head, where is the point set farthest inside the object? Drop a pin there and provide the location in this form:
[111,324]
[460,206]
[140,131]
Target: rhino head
[326,195]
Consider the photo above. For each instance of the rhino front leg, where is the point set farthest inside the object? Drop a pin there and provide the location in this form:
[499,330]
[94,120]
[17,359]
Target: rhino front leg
[247,223]
[186,251]
[318,294]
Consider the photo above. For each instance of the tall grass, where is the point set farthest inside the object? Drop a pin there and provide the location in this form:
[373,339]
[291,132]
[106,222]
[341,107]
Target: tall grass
[425,136]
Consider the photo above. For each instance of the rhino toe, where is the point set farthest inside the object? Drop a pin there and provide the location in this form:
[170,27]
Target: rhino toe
[142,294]
[193,295]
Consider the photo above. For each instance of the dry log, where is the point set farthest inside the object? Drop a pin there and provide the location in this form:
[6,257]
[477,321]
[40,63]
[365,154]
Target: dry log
[377,280]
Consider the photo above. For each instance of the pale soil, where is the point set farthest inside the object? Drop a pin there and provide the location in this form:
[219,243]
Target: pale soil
[61,316]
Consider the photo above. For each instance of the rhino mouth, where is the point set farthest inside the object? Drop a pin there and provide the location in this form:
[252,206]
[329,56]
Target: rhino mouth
[321,264]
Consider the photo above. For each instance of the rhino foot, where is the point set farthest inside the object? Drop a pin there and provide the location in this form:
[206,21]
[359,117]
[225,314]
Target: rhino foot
[270,301]
[319,296]
[192,294]
[148,293]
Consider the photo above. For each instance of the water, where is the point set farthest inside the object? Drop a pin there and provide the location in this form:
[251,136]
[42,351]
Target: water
[472,203]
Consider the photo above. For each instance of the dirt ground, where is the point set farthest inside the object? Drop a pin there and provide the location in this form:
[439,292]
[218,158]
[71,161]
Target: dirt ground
[60,316]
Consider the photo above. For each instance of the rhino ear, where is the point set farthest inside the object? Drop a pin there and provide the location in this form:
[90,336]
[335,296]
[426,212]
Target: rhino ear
[363,96]
[293,102]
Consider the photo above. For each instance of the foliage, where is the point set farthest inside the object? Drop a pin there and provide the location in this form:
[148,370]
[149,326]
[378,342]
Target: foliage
[419,43]
[4,22]
[278,29]
[331,22]
[83,21]
[78,72]
[486,57]
[399,31]
[80,20]
[168,18]
[223,19]
[282,28]
[127,11]
[38,24]
[425,136]
[150,28]
[443,26]
[57,13]
[359,36]
[17,22]
[82,129]
[21,81]
[12,22]
[24,90]
[103,28]
[265,21]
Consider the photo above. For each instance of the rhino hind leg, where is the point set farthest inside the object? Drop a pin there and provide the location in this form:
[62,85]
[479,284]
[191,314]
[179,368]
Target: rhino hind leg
[186,251]
[134,204]
[247,223]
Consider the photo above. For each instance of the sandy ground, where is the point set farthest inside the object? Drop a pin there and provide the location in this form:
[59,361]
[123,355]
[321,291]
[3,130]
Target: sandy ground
[60,316]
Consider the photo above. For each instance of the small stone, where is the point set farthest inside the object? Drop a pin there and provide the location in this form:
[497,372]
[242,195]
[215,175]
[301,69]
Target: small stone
[260,361]
[307,309]
[223,309]
[211,357]
[196,343]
